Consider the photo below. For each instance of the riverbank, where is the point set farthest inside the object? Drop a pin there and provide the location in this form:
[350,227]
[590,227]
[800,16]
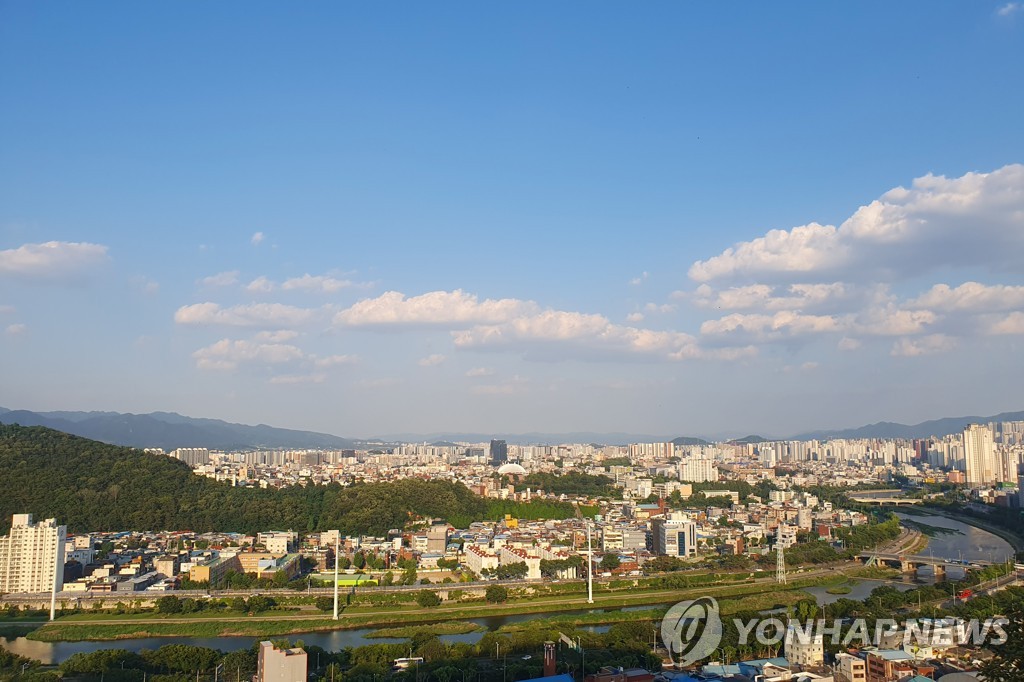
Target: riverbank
[1016,541]
[82,627]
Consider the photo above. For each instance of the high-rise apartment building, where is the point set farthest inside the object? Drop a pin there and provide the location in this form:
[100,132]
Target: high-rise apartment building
[980,456]
[32,556]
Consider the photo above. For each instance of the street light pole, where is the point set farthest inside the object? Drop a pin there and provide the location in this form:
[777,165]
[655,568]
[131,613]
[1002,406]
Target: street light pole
[337,548]
[590,566]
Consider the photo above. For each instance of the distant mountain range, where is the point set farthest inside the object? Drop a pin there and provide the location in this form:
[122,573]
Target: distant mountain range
[935,427]
[169,430]
[524,438]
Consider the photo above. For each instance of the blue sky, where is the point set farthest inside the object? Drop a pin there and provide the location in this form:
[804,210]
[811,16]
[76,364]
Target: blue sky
[368,219]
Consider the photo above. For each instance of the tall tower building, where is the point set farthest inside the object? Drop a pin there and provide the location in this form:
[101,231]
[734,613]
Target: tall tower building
[499,452]
[980,456]
[32,556]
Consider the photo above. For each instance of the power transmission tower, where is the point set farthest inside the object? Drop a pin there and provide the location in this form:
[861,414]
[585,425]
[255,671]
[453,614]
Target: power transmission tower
[780,561]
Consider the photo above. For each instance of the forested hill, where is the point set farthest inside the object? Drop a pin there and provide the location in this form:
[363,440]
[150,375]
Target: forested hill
[92,486]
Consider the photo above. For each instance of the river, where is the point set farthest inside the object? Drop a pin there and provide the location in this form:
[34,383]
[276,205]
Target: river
[962,542]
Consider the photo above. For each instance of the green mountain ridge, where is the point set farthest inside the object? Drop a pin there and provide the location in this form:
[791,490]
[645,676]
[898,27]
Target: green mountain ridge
[93,486]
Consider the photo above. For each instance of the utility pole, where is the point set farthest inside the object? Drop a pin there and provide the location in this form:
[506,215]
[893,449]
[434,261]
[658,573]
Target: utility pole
[337,547]
[590,566]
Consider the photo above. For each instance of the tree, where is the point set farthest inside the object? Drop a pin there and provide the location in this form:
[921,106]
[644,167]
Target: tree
[168,604]
[610,562]
[258,603]
[427,599]
[238,604]
[325,603]
[280,578]
[1007,665]
[496,594]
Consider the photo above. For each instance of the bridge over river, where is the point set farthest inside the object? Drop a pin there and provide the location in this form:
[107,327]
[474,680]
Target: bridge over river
[909,563]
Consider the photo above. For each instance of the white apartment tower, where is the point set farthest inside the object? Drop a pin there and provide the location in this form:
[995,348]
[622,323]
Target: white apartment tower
[981,465]
[32,556]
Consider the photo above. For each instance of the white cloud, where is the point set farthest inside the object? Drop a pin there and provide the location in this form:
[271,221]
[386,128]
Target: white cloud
[560,335]
[7,309]
[316,283]
[228,354]
[893,321]
[848,344]
[221,279]
[635,317]
[256,239]
[1009,9]
[15,329]
[431,360]
[480,372]
[800,296]
[637,281]
[661,309]
[52,260]
[290,379]
[274,315]
[924,345]
[1011,324]
[971,297]
[903,233]
[145,285]
[782,324]
[278,336]
[260,285]
[335,360]
[443,309]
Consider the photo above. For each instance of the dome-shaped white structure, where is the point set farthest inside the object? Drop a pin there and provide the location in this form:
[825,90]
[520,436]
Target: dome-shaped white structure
[511,469]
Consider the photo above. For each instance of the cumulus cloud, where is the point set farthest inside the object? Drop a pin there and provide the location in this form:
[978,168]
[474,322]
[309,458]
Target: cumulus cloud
[260,285]
[441,309]
[635,317]
[273,315]
[7,309]
[256,239]
[637,281]
[555,334]
[924,345]
[15,329]
[316,283]
[228,354]
[431,360]
[480,372]
[779,325]
[971,297]
[51,260]
[1011,324]
[799,296]
[903,233]
[221,279]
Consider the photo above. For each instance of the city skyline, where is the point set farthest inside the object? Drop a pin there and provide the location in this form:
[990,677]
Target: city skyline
[603,222]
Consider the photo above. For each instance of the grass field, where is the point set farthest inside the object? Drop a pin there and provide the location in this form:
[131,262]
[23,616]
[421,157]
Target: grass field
[88,626]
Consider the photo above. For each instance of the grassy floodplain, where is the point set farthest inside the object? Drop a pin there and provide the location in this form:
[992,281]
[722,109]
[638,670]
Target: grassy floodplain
[99,627]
